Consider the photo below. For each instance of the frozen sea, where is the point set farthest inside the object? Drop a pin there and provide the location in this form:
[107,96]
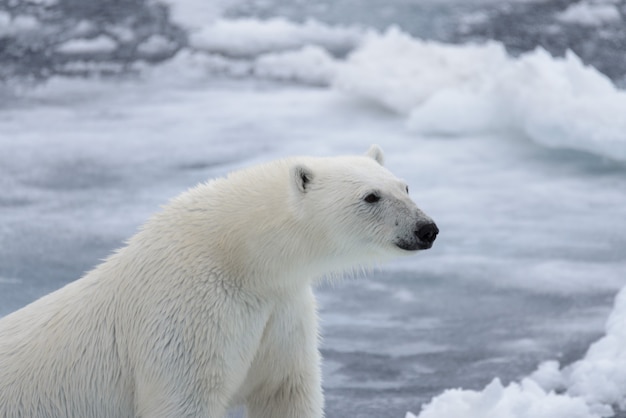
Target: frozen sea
[520,160]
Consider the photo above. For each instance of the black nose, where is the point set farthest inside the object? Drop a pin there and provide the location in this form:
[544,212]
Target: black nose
[427,233]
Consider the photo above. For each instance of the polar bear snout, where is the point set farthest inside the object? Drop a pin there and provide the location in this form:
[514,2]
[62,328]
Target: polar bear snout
[422,238]
[426,234]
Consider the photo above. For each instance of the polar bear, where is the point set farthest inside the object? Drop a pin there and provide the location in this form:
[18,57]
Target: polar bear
[210,304]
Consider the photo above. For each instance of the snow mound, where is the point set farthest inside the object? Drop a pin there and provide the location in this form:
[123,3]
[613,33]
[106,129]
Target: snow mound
[155,45]
[310,65]
[589,14]
[252,37]
[600,377]
[524,400]
[403,73]
[100,44]
[468,89]
[586,389]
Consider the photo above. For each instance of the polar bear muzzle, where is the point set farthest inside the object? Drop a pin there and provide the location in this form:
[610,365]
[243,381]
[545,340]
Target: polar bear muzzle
[425,234]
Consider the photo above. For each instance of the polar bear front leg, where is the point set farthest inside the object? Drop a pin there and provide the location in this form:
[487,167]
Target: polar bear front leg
[193,361]
[286,372]
[298,396]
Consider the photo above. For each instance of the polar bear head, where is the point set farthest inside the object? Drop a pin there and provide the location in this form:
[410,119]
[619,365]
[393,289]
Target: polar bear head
[359,207]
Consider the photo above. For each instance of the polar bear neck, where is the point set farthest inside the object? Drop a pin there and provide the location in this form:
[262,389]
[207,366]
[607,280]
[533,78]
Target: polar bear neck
[251,231]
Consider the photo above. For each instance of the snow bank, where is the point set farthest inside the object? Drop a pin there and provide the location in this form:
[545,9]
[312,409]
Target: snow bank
[524,400]
[252,37]
[466,89]
[100,44]
[402,72]
[155,45]
[600,377]
[586,389]
[311,65]
[590,14]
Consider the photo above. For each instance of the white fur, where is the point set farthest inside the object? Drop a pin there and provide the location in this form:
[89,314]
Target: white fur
[210,304]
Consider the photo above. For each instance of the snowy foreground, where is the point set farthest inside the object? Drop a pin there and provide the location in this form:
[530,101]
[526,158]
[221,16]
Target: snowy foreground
[584,389]
[520,161]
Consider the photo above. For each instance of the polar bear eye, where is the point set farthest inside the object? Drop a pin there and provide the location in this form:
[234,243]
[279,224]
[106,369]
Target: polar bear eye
[407,189]
[372,198]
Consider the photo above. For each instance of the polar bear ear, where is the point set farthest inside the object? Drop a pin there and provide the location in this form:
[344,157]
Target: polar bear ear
[376,153]
[301,176]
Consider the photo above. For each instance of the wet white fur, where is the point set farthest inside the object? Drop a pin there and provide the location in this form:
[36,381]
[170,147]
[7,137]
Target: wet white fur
[210,304]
